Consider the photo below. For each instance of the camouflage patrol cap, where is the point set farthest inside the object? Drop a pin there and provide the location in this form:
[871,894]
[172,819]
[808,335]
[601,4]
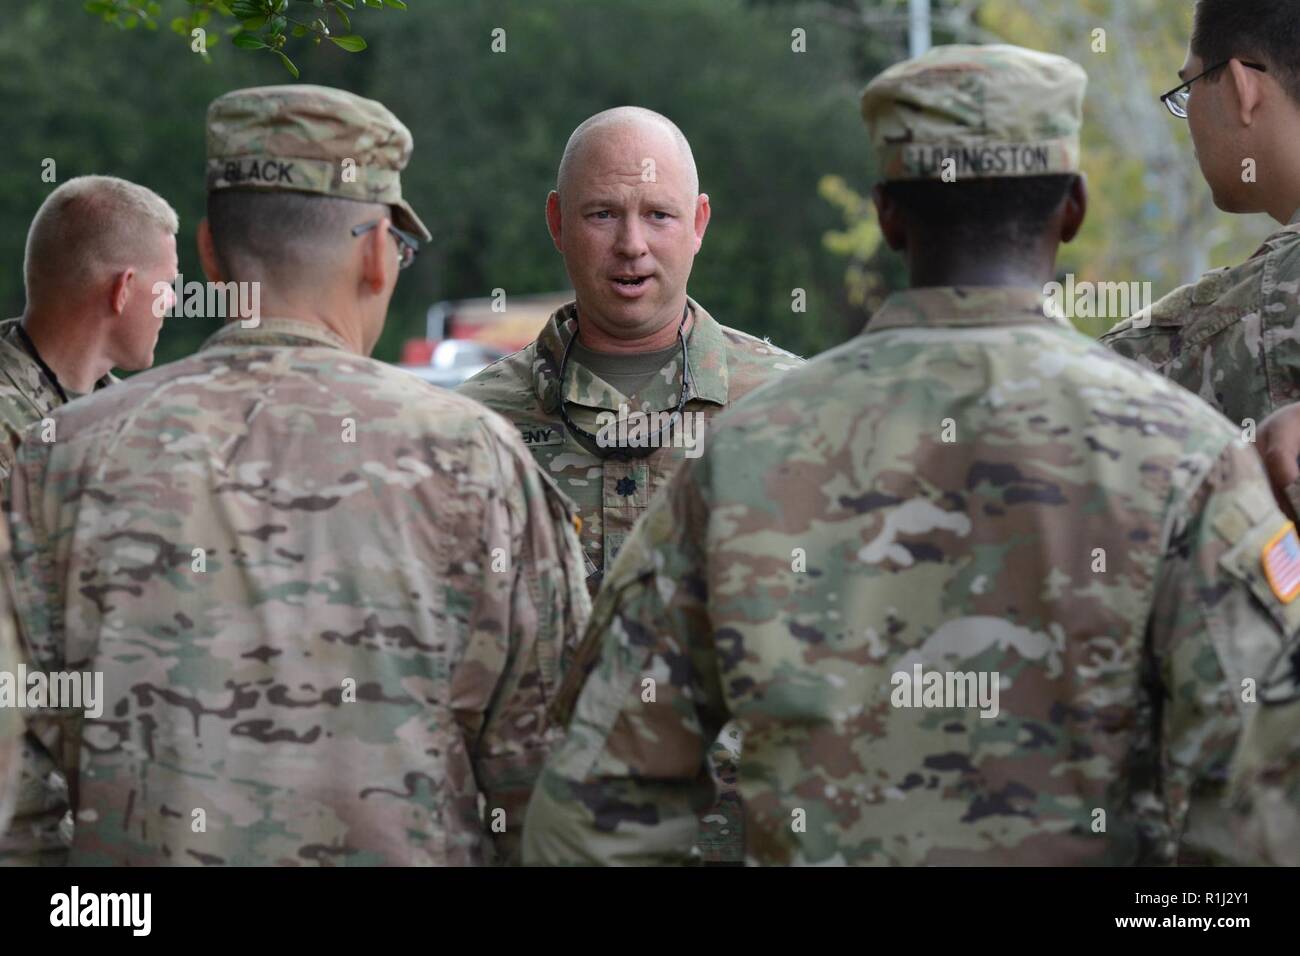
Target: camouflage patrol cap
[311,139]
[996,111]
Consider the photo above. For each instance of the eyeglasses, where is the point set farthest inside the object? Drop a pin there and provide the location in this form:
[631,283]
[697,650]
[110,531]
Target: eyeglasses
[1176,99]
[407,244]
[627,452]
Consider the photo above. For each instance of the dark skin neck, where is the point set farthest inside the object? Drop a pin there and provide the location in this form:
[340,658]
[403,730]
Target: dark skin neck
[935,258]
[936,261]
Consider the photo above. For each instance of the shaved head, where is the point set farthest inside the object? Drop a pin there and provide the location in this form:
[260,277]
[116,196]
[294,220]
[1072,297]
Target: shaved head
[623,121]
[628,216]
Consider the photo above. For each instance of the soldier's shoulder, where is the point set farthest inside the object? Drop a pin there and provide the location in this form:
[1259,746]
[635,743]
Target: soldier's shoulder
[1166,316]
[289,377]
[505,386]
[16,366]
[1208,306]
[1136,403]
[759,351]
[753,362]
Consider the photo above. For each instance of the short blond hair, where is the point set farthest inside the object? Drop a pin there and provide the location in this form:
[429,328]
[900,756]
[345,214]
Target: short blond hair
[90,227]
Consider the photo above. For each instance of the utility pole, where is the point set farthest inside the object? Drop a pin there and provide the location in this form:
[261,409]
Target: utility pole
[918,26]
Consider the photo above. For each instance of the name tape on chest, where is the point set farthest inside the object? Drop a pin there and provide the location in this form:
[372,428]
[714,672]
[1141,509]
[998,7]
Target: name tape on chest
[538,436]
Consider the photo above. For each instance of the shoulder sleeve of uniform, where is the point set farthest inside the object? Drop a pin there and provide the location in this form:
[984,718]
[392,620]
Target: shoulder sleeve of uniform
[11,724]
[533,601]
[630,778]
[505,385]
[1225,604]
[1265,790]
[1163,317]
[35,589]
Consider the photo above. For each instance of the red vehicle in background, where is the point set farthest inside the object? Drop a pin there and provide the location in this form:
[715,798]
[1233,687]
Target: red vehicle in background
[465,336]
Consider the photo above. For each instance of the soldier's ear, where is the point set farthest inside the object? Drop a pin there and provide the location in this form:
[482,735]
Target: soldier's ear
[1076,208]
[892,223]
[703,213]
[378,260]
[208,253]
[1248,87]
[553,221]
[121,291]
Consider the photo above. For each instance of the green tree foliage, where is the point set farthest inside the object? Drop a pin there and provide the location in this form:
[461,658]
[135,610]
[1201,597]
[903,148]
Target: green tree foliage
[1151,217]
[766,124]
[264,25]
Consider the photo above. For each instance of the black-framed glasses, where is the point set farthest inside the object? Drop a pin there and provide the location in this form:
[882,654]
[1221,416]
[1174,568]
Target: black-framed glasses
[652,442]
[407,244]
[1176,99]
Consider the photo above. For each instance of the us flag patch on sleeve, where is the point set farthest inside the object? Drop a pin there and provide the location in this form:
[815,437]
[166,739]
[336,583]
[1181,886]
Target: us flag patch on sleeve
[1282,564]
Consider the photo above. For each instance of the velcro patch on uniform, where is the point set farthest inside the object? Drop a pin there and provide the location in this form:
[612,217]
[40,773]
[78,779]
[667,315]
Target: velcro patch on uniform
[1281,558]
[538,435]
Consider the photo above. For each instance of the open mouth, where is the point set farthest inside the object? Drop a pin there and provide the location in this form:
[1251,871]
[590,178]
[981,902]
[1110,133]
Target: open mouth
[631,282]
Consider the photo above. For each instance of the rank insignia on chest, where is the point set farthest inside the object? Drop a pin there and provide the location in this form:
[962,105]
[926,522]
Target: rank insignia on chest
[536,436]
[1282,564]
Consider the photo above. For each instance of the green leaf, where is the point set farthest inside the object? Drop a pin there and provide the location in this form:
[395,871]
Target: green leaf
[395,4]
[249,41]
[288,64]
[254,23]
[181,25]
[352,43]
[299,30]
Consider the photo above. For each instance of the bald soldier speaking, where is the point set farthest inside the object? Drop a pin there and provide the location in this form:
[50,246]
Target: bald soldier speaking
[618,388]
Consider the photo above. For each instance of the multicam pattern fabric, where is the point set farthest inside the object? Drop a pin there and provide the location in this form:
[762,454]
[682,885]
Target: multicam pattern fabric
[725,365]
[313,139]
[27,396]
[1233,338]
[26,393]
[1266,775]
[976,112]
[328,600]
[11,722]
[967,488]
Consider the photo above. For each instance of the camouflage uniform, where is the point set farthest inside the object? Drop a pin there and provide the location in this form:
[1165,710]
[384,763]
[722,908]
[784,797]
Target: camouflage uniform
[27,394]
[611,495]
[1266,775]
[328,600]
[1231,337]
[968,487]
[11,723]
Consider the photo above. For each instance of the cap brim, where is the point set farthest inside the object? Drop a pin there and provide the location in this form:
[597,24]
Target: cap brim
[404,217]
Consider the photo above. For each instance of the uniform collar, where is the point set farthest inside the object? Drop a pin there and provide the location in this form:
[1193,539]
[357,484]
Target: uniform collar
[25,372]
[706,350]
[963,307]
[283,332]
[1295,220]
